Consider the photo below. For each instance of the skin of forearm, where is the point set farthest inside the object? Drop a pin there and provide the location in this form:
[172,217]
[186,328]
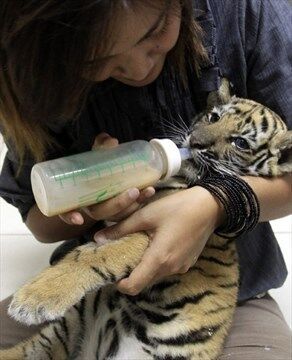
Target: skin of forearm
[274,195]
[53,229]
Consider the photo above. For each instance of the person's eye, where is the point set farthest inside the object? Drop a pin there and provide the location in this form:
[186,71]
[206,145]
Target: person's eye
[161,30]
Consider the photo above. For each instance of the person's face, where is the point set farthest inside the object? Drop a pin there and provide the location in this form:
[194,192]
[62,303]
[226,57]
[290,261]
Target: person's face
[141,40]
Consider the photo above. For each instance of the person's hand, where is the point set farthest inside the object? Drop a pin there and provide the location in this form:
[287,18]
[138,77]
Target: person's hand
[179,226]
[114,209]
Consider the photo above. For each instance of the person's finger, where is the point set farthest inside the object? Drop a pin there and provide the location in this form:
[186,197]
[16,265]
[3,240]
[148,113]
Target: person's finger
[145,194]
[104,140]
[113,206]
[143,275]
[99,139]
[125,213]
[134,223]
[72,218]
[109,143]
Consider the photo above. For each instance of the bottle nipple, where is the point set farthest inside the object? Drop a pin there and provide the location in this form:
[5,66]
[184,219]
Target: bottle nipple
[185,153]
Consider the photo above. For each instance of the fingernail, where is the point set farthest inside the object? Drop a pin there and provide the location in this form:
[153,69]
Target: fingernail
[100,239]
[76,220]
[133,193]
[149,192]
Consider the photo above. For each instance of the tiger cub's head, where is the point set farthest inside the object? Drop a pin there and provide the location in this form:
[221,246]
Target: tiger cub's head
[238,136]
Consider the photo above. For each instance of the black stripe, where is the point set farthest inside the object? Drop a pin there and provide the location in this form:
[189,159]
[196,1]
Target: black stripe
[114,346]
[194,299]
[218,247]
[164,285]
[254,128]
[264,124]
[141,334]
[195,336]
[147,351]
[156,318]
[111,302]
[218,309]
[61,340]
[81,328]
[228,286]
[111,276]
[80,309]
[76,257]
[96,301]
[203,272]
[101,274]
[249,119]
[110,324]
[45,337]
[49,355]
[216,261]
[260,164]
[64,326]
[126,321]
[257,159]
[127,271]
[44,345]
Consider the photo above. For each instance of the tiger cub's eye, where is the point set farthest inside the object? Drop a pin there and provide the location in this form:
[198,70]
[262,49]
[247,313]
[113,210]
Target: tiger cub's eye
[213,117]
[240,143]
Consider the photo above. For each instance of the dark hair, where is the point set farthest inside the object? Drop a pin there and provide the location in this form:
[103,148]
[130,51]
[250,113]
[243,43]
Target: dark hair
[44,46]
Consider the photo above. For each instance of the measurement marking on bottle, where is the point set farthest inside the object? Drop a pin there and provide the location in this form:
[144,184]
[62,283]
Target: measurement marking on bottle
[131,161]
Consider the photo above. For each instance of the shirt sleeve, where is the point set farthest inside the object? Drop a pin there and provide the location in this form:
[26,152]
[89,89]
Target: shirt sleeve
[16,190]
[268,46]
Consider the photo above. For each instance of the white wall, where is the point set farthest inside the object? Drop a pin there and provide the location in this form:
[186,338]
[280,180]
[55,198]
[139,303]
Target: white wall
[22,256]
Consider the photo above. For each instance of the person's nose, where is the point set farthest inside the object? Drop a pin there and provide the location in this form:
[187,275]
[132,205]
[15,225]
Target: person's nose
[134,65]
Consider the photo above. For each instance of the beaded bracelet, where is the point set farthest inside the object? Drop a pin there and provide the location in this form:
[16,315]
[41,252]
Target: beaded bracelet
[239,201]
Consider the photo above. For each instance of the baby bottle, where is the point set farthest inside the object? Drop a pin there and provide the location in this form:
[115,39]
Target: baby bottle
[84,179]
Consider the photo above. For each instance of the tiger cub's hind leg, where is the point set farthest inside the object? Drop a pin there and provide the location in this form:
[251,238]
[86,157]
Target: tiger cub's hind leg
[51,343]
[88,267]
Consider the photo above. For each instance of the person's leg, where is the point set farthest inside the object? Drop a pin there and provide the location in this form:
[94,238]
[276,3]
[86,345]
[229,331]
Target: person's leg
[11,331]
[258,332]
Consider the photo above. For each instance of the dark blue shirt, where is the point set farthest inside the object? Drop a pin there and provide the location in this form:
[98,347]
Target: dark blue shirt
[249,42]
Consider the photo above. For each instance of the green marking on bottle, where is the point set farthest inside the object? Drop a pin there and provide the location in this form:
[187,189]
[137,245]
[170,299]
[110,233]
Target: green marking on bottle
[101,194]
[115,165]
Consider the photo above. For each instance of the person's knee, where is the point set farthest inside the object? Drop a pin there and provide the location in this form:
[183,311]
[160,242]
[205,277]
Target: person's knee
[256,353]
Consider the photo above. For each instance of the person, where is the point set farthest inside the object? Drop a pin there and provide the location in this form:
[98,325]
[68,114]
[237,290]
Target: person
[73,72]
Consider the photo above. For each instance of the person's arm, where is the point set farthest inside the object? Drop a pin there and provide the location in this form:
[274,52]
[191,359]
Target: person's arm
[274,195]
[53,229]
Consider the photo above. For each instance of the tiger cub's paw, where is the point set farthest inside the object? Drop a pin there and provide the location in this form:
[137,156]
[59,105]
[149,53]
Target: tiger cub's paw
[47,297]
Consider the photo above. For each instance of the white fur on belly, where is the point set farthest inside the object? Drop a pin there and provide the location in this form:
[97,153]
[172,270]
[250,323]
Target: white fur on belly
[131,349]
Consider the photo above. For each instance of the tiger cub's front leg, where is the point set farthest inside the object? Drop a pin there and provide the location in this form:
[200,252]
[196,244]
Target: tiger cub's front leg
[88,267]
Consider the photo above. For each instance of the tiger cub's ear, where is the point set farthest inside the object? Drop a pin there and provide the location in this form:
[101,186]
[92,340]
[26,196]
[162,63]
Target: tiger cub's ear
[221,96]
[281,145]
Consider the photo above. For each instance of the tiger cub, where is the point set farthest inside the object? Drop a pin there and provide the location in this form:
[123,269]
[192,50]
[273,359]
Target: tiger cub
[185,316]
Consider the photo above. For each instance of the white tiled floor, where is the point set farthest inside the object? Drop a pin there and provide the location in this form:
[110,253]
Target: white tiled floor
[22,257]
